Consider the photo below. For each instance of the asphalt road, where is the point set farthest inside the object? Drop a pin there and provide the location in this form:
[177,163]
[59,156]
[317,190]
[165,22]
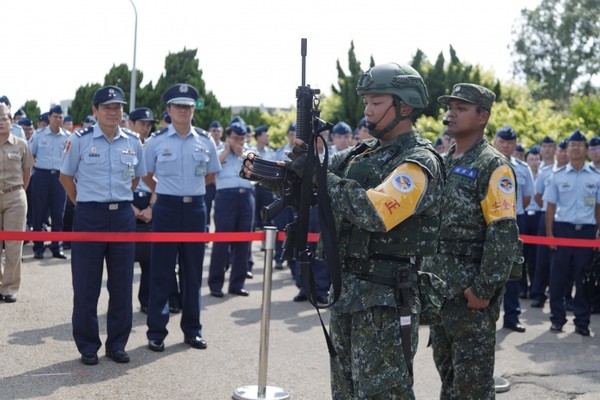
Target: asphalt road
[38,359]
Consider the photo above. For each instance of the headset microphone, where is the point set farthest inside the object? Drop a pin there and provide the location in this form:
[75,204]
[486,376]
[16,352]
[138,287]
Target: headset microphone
[446,122]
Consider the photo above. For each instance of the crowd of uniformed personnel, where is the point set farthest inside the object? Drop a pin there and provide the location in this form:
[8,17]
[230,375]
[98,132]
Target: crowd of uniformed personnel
[115,175]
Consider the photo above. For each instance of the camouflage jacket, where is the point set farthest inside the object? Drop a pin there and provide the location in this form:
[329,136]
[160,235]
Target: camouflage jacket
[474,252]
[351,205]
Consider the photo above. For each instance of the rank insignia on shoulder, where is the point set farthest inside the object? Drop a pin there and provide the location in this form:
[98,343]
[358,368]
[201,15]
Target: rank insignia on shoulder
[201,131]
[84,131]
[160,132]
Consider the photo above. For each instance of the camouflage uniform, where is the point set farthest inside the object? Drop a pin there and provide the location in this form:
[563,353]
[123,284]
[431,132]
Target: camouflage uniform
[477,254]
[364,325]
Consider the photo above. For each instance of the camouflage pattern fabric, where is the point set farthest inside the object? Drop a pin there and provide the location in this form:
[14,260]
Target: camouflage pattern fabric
[463,350]
[472,93]
[364,326]
[471,254]
[370,363]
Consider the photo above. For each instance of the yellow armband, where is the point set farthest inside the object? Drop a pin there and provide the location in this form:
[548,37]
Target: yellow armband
[501,199]
[398,196]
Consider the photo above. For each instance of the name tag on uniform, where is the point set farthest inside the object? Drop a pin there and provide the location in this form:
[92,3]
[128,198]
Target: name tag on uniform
[470,173]
[129,172]
[201,170]
[589,201]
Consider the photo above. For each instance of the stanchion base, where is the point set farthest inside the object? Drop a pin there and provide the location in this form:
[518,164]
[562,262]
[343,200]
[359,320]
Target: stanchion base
[251,393]
[502,384]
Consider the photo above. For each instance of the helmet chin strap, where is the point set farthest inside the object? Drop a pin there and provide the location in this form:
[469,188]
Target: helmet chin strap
[377,133]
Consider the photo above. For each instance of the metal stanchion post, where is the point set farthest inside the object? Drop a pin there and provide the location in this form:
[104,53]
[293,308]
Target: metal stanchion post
[262,391]
[502,384]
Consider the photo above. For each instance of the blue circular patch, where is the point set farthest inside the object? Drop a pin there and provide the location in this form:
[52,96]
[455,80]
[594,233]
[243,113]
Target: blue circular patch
[403,183]
[506,185]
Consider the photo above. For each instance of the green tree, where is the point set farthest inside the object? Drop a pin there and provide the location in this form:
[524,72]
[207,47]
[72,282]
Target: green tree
[82,103]
[440,78]
[557,44]
[183,67]
[351,108]
[32,110]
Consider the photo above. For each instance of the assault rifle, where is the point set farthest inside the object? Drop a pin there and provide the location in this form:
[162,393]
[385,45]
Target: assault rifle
[303,184]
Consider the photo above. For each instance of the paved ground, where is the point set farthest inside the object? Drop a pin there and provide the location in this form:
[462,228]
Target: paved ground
[38,359]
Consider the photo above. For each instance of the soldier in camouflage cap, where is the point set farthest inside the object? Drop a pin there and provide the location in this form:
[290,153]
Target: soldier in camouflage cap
[470,93]
[478,242]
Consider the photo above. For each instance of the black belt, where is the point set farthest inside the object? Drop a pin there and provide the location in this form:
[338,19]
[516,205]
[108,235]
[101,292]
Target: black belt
[235,190]
[110,206]
[179,199]
[48,171]
[10,189]
[141,194]
[576,227]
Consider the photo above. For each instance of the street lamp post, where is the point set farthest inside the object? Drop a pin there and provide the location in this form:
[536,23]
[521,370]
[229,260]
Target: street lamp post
[133,71]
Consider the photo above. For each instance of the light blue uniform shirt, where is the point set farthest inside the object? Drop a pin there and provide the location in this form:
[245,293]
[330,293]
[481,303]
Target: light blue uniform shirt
[525,185]
[228,177]
[266,153]
[544,174]
[280,153]
[575,194]
[17,131]
[103,170]
[179,165]
[48,148]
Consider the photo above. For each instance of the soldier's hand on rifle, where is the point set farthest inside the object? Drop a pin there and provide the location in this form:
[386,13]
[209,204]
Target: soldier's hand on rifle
[248,166]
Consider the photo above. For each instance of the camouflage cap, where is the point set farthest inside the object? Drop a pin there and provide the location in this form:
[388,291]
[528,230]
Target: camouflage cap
[472,93]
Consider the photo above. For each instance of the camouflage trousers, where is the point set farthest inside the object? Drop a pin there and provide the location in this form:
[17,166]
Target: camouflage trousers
[463,350]
[370,363]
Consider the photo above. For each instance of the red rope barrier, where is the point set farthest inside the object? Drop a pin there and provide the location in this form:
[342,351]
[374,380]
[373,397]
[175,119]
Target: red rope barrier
[220,237]
[142,236]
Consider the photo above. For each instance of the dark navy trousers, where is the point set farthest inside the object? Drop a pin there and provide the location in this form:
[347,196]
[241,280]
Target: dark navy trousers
[569,262]
[47,198]
[319,267]
[87,265]
[542,264]
[531,225]
[176,214]
[512,306]
[234,212]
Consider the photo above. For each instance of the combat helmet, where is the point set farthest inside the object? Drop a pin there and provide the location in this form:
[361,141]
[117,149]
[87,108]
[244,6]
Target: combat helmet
[399,80]
[402,82]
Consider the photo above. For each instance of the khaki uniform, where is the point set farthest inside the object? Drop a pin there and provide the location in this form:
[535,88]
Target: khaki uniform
[15,156]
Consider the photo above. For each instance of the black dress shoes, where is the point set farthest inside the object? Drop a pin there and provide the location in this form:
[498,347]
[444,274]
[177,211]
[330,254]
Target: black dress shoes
[59,254]
[240,292]
[582,331]
[217,293]
[156,345]
[89,359]
[537,304]
[174,309]
[300,297]
[10,298]
[514,327]
[196,342]
[555,328]
[39,255]
[119,356]
[144,309]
